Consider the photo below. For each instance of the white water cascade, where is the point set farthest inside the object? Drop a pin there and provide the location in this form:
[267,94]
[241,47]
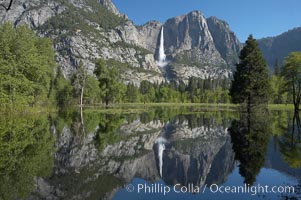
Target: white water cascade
[161,147]
[162,57]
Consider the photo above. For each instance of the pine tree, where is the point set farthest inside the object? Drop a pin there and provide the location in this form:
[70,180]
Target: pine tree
[144,89]
[276,85]
[250,84]
[192,88]
[63,89]
[132,93]
[277,68]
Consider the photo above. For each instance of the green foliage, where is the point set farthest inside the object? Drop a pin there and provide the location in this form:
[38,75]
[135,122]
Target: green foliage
[110,89]
[132,93]
[147,90]
[78,82]
[92,92]
[278,122]
[108,82]
[278,93]
[192,88]
[292,75]
[107,132]
[250,82]
[290,143]
[277,68]
[63,89]
[208,90]
[26,151]
[26,66]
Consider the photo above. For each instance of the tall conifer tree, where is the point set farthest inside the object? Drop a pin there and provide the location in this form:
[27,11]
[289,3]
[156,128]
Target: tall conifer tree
[250,84]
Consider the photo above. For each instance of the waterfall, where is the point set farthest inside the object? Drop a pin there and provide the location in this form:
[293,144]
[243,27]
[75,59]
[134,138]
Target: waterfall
[162,57]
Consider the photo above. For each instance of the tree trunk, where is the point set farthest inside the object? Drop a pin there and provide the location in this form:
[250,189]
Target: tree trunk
[107,102]
[81,116]
[107,95]
[296,105]
[81,97]
[297,100]
[249,104]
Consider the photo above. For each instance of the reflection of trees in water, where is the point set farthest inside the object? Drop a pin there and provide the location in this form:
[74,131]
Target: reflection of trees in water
[195,117]
[82,123]
[26,150]
[107,130]
[290,143]
[250,137]
[290,148]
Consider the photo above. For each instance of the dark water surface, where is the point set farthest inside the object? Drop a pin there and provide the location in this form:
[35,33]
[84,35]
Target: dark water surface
[160,153]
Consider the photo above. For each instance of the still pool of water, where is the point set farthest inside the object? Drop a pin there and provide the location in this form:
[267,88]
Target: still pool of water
[161,153]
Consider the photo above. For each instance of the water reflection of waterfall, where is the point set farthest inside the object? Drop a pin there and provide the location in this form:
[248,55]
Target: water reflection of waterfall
[162,57]
[161,147]
[160,154]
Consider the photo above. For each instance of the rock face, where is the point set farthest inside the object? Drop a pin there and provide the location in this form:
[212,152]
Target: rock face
[191,45]
[277,48]
[149,35]
[224,40]
[198,154]
[21,12]
[190,34]
[108,4]
[86,30]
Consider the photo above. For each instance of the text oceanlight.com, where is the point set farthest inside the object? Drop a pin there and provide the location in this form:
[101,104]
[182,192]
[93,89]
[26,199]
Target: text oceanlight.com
[158,188]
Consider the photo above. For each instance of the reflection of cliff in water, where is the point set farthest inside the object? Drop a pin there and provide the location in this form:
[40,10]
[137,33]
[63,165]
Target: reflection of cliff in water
[199,155]
[86,169]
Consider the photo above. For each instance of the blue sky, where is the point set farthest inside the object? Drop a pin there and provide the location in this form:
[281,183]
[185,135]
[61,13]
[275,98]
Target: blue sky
[261,18]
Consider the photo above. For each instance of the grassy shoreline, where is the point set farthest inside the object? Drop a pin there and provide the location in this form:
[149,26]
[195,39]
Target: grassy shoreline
[121,105]
[141,107]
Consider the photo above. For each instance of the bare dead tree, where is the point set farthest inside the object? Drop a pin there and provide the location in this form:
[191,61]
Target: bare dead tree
[7,8]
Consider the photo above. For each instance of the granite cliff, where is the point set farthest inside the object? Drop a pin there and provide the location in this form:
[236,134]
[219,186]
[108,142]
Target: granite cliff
[86,30]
